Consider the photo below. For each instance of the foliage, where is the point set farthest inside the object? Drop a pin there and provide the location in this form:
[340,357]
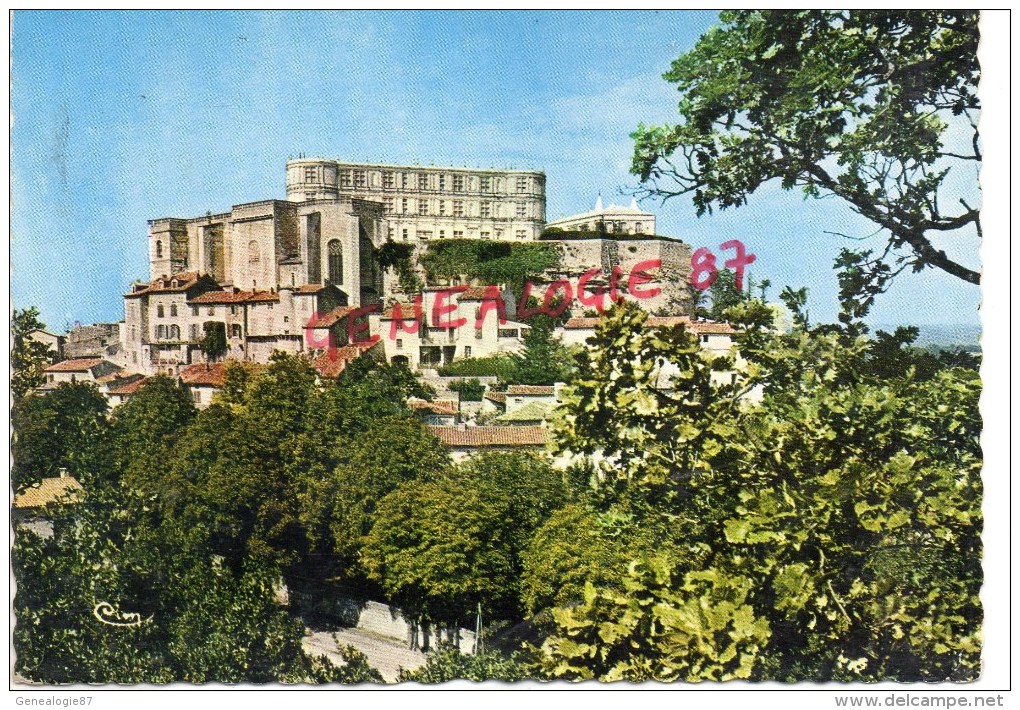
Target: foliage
[544,360]
[214,340]
[491,262]
[498,365]
[451,664]
[724,294]
[469,390]
[570,549]
[441,547]
[339,507]
[63,428]
[862,105]
[145,429]
[28,357]
[398,256]
[198,621]
[831,533]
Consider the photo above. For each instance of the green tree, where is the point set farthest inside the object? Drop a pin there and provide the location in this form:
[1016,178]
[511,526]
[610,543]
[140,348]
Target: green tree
[725,294]
[469,390]
[214,340]
[857,104]
[146,427]
[338,508]
[830,533]
[64,428]
[197,621]
[28,357]
[440,548]
[544,360]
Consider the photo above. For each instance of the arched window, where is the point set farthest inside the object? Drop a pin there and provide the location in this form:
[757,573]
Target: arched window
[175,332]
[254,256]
[159,311]
[173,310]
[159,249]
[336,261]
[160,331]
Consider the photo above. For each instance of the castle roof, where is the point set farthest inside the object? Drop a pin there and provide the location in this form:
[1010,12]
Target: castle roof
[439,406]
[235,296]
[175,283]
[531,390]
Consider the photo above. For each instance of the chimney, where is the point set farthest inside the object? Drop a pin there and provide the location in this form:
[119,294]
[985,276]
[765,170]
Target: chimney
[63,472]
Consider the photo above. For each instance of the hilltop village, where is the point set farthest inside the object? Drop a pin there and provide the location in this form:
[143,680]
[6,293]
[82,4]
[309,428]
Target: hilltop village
[432,267]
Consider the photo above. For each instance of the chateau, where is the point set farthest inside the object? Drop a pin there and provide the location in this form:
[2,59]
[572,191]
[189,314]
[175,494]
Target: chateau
[286,274]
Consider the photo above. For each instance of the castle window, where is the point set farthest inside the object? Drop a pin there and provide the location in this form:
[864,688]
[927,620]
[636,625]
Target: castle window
[485,209]
[310,174]
[175,332]
[193,331]
[160,332]
[521,234]
[458,183]
[638,229]
[458,234]
[484,184]
[467,351]
[403,181]
[400,344]
[458,208]
[403,206]
[485,235]
[423,206]
[335,267]
[442,207]
[388,202]
[404,234]
[423,181]
[235,331]
[211,310]
[442,182]
[233,310]
[522,184]
[159,250]
[173,310]
[387,180]
[359,178]
[345,178]
[254,256]
[194,310]
[522,209]
[159,311]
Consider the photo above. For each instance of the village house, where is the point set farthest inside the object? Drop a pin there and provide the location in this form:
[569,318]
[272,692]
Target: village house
[30,509]
[464,441]
[89,369]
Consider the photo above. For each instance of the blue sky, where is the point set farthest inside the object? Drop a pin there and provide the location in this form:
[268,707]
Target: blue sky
[120,117]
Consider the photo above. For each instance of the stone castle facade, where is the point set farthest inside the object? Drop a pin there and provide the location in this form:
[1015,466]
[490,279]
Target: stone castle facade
[271,272]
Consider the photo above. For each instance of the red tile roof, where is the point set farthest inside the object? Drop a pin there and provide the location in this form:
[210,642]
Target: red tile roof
[535,390]
[310,288]
[407,311]
[332,318]
[498,397]
[203,373]
[484,436]
[48,490]
[332,364]
[695,326]
[166,284]
[235,296]
[81,364]
[439,406]
[478,293]
[129,388]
